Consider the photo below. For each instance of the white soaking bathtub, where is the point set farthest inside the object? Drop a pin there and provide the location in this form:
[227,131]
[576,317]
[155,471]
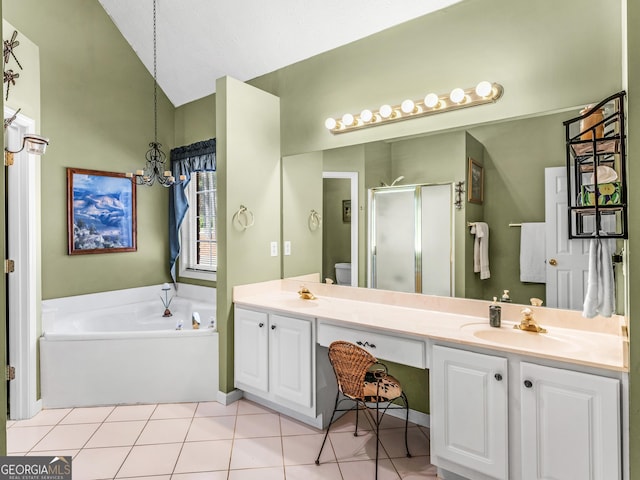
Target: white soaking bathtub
[103,349]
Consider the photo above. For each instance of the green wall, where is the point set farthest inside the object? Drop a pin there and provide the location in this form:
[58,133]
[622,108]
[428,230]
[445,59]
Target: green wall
[97,108]
[632,85]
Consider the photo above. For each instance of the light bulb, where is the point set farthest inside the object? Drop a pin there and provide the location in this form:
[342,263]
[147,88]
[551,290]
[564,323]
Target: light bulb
[366,115]
[330,123]
[408,106]
[386,111]
[431,100]
[347,119]
[457,95]
[484,89]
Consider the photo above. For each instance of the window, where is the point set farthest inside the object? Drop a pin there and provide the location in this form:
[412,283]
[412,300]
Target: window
[199,246]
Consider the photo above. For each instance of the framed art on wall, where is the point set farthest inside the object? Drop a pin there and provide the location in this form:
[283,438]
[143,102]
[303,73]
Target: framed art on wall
[475,182]
[101,212]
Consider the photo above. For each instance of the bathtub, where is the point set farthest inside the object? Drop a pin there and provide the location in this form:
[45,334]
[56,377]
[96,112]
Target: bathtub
[116,348]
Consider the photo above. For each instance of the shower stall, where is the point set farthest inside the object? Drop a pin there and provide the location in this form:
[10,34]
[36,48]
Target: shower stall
[411,238]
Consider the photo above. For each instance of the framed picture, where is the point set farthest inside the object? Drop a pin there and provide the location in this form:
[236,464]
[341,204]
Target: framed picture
[475,184]
[101,212]
[346,211]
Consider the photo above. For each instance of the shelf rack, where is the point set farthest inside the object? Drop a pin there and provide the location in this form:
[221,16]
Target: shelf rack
[596,145]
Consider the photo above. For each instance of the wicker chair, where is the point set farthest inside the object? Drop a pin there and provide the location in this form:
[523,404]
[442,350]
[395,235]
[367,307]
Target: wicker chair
[363,379]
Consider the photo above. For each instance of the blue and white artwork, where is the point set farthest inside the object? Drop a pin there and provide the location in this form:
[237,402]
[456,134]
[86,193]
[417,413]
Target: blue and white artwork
[103,212]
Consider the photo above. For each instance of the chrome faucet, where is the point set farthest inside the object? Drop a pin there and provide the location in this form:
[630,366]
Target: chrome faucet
[528,323]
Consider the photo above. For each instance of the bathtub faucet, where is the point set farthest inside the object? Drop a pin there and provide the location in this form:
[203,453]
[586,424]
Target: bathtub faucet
[166,301]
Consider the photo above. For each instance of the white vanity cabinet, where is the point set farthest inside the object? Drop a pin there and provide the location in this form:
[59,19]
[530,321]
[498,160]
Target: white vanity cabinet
[545,423]
[274,357]
[469,421]
[570,424]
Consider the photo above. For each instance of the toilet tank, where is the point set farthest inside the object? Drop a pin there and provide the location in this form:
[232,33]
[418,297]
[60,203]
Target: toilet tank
[343,273]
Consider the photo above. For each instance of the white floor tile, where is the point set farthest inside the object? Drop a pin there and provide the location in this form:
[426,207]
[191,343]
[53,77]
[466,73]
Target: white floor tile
[204,456]
[67,437]
[171,430]
[215,409]
[123,413]
[219,475]
[150,460]
[393,441]
[54,453]
[99,463]
[24,439]
[258,425]
[303,449]
[349,448]
[116,434]
[415,468]
[289,426]
[87,415]
[246,407]
[272,473]
[324,471]
[365,470]
[256,453]
[211,428]
[174,410]
[44,417]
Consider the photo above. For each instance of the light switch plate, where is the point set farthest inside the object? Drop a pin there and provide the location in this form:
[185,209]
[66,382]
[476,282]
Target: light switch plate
[287,247]
[274,249]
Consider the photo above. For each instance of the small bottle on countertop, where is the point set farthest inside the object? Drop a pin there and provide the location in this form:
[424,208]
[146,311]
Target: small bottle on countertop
[494,313]
[505,297]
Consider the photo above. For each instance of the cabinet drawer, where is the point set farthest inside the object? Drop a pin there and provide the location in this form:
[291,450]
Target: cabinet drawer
[406,351]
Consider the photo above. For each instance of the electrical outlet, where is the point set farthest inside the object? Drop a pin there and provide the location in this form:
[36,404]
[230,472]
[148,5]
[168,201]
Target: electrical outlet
[287,247]
[274,249]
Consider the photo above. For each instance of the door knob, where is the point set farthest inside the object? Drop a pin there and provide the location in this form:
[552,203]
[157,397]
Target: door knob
[553,262]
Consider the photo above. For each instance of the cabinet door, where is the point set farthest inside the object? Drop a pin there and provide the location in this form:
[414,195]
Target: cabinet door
[570,425]
[290,359]
[251,349]
[469,411]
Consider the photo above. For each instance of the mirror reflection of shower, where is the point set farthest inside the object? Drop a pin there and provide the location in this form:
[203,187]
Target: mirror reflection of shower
[399,179]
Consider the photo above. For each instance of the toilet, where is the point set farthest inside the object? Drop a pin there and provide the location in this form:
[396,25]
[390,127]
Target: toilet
[343,273]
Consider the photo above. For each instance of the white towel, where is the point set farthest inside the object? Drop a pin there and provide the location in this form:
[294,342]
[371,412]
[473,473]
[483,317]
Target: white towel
[481,249]
[600,297]
[532,253]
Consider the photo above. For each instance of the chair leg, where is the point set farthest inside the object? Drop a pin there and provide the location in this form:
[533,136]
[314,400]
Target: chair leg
[335,408]
[355,434]
[377,434]
[406,424]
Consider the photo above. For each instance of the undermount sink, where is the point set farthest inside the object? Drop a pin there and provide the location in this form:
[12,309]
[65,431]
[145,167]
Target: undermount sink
[510,337]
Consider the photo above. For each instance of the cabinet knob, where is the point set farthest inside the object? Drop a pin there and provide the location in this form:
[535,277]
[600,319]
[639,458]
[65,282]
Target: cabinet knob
[528,383]
[273,327]
[553,262]
[261,325]
[498,377]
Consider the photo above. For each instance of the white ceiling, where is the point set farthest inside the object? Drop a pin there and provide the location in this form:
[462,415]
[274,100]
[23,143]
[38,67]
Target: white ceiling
[199,41]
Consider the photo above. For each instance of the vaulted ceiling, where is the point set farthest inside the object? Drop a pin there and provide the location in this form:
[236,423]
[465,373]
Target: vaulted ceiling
[199,41]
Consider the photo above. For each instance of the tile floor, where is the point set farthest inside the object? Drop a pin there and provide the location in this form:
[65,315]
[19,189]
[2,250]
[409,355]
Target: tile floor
[210,441]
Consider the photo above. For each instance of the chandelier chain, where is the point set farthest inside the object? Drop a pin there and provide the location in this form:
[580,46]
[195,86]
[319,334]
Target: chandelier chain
[155,77]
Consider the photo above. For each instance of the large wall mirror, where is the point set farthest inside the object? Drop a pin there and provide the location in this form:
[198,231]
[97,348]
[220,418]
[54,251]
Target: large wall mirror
[515,156]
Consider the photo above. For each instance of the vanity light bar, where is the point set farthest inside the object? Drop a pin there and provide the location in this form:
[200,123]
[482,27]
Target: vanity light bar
[484,92]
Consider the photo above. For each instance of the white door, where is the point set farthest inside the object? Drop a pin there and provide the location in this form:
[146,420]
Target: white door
[469,411]
[570,425]
[251,349]
[290,359]
[567,260]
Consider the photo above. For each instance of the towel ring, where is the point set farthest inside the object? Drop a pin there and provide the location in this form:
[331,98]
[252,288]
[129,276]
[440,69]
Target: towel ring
[315,220]
[243,218]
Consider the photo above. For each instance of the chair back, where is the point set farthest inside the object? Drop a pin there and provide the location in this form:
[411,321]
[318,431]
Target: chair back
[350,364]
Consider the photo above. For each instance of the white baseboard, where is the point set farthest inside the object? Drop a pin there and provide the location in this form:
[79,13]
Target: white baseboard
[416,417]
[229,398]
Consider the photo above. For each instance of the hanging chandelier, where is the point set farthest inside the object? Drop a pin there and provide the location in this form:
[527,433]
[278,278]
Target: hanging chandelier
[154,170]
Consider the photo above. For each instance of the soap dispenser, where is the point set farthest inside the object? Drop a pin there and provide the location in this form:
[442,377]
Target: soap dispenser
[505,297]
[494,313]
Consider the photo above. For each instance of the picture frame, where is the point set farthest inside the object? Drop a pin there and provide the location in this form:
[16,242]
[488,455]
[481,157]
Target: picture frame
[475,183]
[101,212]
[346,211]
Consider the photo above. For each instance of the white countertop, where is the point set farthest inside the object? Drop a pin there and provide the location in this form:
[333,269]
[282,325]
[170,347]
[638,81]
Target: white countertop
[603,346]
